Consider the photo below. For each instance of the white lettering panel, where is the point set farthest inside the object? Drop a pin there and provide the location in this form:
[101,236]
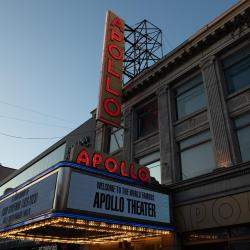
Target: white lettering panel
[93,194]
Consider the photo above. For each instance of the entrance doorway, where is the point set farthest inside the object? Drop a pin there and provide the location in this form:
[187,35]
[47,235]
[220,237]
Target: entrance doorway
[230,238]
[238,245]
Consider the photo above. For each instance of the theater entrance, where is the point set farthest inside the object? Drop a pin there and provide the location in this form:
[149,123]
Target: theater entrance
[229,238]
[75,204]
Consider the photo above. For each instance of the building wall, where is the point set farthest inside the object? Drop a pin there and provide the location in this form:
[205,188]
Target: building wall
[219,197]
[216,200]
[216,116]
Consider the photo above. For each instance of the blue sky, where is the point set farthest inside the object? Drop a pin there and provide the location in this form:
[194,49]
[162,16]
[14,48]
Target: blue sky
[50,61]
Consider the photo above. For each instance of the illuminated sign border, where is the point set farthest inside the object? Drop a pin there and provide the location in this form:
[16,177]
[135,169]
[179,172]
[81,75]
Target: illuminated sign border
[156,203]
[95,216]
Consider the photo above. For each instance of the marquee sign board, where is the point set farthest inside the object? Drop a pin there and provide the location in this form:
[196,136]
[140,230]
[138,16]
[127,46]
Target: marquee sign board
[109,107]
[28,202]
[111,198]
[59,203]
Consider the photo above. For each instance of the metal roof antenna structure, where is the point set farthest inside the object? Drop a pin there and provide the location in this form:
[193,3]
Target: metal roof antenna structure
[143,47]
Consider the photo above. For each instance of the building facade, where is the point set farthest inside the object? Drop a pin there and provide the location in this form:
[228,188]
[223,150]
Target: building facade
[187,118]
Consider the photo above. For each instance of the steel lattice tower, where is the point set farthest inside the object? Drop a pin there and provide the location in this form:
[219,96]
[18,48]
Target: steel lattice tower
[143,47]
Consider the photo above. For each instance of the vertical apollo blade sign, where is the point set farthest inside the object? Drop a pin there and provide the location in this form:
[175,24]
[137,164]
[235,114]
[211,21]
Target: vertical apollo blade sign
[109,107]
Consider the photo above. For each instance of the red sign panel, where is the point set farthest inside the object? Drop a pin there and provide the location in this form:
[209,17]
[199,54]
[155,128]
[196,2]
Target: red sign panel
[109,107]
[113,165]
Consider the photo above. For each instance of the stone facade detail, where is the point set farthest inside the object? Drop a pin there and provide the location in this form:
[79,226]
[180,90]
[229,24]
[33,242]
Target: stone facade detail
[147,144]
[224,211]
[128,134]
[240,101]
[216,114]
[191,123]
[167,174]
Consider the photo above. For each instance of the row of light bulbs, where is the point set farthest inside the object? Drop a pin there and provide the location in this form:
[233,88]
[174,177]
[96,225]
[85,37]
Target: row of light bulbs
[118,232]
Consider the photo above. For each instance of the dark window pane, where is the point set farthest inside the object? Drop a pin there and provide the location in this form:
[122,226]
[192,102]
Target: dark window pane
[116,139]
[190,97]
[243,131]
[238,76]
[237,70]
[197,160]
[148,119]
[244,141]
[189,84]
[197,155]
[242,121]
[236,57]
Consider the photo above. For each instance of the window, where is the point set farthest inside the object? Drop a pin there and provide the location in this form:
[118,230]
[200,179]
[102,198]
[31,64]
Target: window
[35,169]
[237,70]
[243,132]
[153,163]
[190,97]
[147,119]
[116,139]
[196,155]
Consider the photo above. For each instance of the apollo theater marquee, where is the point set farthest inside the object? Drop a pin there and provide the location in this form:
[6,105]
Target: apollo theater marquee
[97,198]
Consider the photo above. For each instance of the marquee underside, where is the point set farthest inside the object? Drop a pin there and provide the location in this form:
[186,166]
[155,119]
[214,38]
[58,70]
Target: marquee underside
[79,231]
[71,203]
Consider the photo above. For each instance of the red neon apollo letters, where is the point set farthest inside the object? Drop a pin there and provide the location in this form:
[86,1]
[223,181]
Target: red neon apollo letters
[109,107]
[110,164]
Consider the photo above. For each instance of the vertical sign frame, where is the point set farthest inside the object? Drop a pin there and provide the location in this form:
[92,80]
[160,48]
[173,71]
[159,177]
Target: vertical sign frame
[109,107]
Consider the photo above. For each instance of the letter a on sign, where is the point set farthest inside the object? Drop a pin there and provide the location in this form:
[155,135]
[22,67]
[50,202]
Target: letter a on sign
[109,107]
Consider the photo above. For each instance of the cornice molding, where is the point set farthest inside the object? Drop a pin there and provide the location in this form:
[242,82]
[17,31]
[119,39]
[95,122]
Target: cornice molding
[161,91]
[228,22]
[207,62]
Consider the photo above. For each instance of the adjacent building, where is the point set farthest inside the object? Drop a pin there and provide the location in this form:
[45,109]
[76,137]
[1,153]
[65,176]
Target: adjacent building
[5,172]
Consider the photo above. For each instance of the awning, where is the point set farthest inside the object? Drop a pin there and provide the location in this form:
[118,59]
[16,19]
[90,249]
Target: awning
[71,203]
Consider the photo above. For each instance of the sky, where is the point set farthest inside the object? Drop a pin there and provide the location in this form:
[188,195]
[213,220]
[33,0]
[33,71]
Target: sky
[50,61]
